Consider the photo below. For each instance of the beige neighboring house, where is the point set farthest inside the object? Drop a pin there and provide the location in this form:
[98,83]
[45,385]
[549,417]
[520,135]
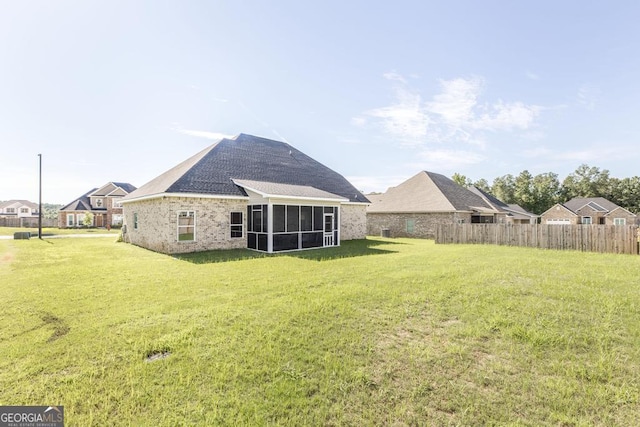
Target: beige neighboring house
[415,207]
[103,203]
[590,210]
[19,209]
[245,192]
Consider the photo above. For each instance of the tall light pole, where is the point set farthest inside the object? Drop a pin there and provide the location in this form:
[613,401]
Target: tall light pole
[40,201]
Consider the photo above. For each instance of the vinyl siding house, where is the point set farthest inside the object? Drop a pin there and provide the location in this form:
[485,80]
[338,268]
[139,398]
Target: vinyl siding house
[245,192]
[19,209]
[415,207]
[103,203]
[591,210]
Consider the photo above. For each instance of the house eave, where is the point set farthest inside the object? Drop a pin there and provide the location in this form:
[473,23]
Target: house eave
[300,198]
[179,195]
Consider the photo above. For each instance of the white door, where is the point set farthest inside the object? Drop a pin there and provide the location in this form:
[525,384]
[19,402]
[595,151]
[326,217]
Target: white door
[328,229]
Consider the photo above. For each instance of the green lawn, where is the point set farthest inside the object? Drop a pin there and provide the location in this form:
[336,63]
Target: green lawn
[8,231]
[377,332]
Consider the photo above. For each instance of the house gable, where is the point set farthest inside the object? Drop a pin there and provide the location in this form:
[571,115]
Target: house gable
[428,192]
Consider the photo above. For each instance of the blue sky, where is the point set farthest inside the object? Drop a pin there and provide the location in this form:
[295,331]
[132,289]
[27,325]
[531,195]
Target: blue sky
[124,90]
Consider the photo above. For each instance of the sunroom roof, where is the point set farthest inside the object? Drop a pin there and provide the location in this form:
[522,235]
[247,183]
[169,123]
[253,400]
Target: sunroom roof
[273,189]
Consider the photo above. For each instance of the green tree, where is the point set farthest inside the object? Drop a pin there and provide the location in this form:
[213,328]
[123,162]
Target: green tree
[461,180]
[523,190]
[483,185]
[546,191]
[586,181]
[504,188]
[625,192]
[87,221]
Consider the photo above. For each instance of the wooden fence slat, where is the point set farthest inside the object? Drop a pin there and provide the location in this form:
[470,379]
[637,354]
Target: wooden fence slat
[619,239]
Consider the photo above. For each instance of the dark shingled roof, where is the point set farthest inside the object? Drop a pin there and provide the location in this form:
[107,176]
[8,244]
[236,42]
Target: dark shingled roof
[125,186]
[460,197]
[601,204]
[497,203]
[81,203]
[247,157]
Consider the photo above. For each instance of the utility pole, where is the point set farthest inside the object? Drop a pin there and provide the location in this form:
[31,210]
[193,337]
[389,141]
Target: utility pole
[40,201]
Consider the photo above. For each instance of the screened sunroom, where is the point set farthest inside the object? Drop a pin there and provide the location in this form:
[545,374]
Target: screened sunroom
[283,217]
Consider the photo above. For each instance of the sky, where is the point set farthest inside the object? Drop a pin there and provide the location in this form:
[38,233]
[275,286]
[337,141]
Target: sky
[378,91]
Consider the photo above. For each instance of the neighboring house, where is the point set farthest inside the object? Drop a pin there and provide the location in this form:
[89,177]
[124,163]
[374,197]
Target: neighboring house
[415,207]
[103,203]
[245,192]
[515,214]
[18,209]
[591,210]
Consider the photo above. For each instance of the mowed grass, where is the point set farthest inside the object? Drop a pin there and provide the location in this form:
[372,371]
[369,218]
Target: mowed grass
[376,332]
[52,231]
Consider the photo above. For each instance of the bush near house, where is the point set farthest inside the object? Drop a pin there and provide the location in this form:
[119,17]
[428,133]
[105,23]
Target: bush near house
[374,332]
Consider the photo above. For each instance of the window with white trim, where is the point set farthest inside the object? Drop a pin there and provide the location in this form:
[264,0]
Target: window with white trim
[24,210]
[99,203]
[186,226]
[135,220]
[70,220]
[586,220]
[236,224]
[619,221]
[116,202]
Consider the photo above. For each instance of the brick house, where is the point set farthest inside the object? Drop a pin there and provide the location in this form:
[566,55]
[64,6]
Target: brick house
[245,192]
[415,207]
[590,210]
[103,203]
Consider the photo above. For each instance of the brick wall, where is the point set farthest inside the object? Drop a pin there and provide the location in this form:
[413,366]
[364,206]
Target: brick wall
[424,224]
[353,224]
[157,224]
[558,212]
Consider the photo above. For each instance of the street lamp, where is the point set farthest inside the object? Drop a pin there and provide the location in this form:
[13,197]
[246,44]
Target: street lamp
[40,201]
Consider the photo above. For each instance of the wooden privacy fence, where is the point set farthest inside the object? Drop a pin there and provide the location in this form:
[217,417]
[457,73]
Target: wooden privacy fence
[619,239]
[27,222]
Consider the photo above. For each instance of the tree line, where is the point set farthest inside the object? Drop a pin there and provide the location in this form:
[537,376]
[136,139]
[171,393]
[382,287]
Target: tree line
[538,193]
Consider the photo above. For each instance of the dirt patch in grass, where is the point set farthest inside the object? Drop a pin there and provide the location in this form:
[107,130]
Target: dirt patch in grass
[60,328]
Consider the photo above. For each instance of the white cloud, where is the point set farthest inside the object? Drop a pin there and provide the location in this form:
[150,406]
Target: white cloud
[588,96]
[507,117]
[392,75]
[454,115]
[203,134]
[457,100]
[406,118]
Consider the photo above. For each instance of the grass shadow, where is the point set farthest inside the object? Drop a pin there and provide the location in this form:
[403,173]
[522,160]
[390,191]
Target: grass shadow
[347,249]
